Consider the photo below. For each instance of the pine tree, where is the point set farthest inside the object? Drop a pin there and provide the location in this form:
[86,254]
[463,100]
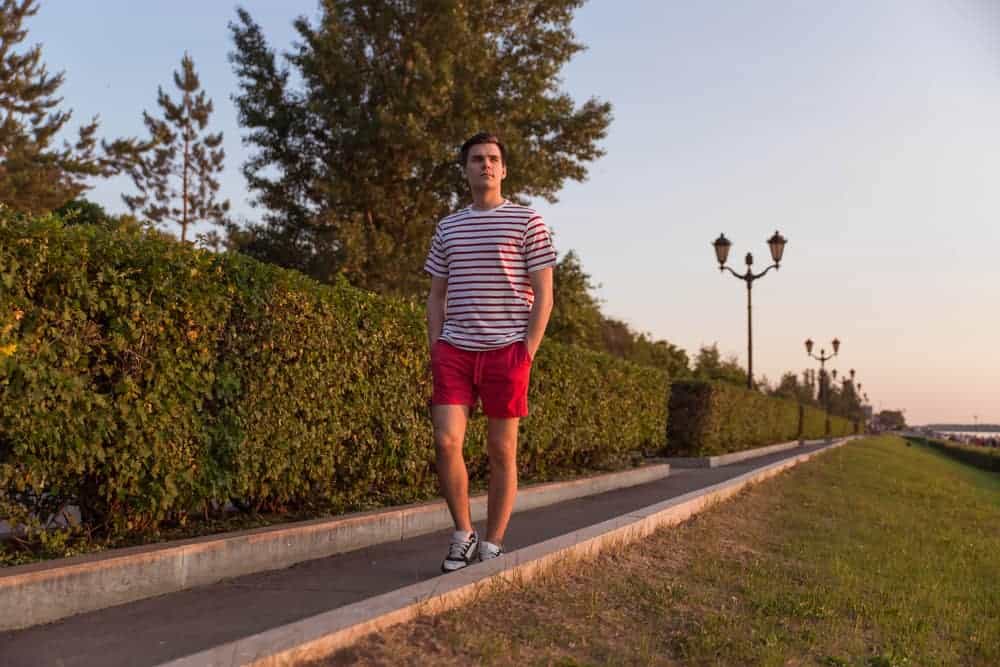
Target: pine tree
[355,165]
[177,179]
[35,175]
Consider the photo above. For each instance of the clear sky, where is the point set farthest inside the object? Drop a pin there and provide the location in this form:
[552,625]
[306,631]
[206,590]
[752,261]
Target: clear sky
[866,132]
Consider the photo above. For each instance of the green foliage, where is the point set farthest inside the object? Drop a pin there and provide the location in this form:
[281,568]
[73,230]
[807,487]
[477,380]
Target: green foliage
[110,363]
[709,365]
[789,387]
[143,380]
[591,410]
[356,163]
[891,419]
[177,177]
[83,212]
[36,175]
[577,319]
[712,418]
[843,401]
[987,458]
[329,388]
[814,423]
[576,313]
[621,341]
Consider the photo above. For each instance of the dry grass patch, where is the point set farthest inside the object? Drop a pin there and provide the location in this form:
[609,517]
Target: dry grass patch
[874,554]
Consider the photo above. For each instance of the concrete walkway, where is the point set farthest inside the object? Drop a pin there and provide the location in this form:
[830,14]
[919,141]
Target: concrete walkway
[157,630]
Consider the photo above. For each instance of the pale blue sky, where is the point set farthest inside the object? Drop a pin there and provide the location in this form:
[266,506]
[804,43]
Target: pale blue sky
[867,132]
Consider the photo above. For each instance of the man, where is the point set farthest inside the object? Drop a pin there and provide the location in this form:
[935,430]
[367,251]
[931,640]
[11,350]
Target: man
[490,300]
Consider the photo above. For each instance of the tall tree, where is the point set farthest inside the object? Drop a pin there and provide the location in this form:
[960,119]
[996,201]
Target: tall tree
[576,313]
[177,179]
[354,165]
[789,387]
[660,353]
[709,365]
[891,419]
[36,174]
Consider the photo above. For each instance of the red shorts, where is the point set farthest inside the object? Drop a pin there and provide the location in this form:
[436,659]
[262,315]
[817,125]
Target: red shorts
[499,377]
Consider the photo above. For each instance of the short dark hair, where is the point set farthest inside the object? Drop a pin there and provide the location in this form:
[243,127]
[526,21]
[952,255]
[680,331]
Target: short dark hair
[481,138]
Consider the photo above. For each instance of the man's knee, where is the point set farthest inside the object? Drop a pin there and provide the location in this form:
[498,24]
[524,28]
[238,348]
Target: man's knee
[502,451]
[448,443]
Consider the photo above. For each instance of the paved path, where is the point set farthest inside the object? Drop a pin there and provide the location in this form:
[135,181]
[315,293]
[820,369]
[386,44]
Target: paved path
[149,632]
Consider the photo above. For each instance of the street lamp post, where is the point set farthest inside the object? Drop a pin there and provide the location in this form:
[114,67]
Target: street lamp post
[869,422]
[823,358]
[777,246]
[853,404]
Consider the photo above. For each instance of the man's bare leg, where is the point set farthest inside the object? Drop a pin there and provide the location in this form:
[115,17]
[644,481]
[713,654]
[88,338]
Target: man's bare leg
[449,434]
[501,446]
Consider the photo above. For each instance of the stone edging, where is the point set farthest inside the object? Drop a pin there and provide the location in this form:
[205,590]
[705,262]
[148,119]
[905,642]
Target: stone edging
[321,635]
[45,592]
[734,457]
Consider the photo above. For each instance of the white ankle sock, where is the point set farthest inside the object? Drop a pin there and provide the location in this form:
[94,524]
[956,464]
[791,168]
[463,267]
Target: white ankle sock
[489,547]
[461,535]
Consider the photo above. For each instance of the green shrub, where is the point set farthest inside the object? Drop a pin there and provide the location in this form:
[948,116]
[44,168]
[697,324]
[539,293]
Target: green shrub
[111,361]
[712,418]
[987,458]
[143,380]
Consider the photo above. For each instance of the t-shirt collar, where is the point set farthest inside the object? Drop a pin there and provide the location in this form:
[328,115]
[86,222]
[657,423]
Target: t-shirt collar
[499,206]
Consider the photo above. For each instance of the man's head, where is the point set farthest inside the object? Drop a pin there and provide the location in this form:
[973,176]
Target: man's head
[484,162]
[479,139]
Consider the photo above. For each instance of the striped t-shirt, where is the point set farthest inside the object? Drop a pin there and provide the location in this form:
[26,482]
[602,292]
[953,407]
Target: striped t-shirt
[487,257]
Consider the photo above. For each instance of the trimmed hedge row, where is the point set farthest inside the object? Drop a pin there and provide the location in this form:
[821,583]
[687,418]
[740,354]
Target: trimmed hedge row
[712,418]
[986,458]
[143,380]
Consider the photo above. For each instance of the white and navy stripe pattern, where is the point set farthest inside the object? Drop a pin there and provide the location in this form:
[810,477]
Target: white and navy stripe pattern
[487,257]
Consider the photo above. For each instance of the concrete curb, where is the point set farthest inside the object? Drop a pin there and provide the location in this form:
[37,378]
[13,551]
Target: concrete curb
[733,457]
[45,592]
[321,635]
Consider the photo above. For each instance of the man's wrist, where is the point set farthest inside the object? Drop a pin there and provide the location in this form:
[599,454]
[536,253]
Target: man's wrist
[531,346]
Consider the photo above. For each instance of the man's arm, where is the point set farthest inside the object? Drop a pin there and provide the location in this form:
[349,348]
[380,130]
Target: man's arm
[435,308]
[541,284]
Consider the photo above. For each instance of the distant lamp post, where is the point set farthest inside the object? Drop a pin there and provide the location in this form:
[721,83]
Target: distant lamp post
[777,246]
[824,391]
[852,404]
[867,409]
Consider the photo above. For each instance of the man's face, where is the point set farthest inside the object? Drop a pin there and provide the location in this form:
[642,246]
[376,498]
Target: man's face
[484,167]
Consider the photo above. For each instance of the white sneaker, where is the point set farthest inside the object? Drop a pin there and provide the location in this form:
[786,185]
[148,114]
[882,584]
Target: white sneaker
[488,550]
[461,552]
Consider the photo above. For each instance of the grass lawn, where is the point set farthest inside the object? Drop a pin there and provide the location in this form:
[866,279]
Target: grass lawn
[872,554]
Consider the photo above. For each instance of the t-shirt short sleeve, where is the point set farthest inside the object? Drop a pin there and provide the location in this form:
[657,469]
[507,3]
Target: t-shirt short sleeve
[539,251]
[437,260]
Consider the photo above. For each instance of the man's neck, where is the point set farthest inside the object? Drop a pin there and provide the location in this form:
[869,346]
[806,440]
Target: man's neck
[484,201]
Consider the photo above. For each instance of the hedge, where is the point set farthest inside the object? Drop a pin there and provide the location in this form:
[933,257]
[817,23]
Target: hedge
[712,418]
[987,458]
[143,380]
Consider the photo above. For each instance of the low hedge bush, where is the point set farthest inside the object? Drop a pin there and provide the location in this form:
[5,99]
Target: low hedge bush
[712,418]
[143,380]
[987,458]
